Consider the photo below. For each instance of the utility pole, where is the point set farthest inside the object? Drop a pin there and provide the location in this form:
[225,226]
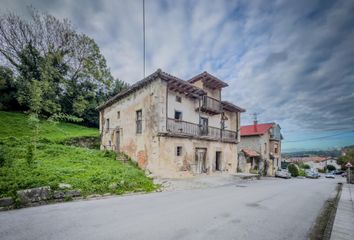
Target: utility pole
[144,38]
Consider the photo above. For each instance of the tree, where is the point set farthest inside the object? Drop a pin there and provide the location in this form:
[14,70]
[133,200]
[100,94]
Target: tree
[330,167]
[349,157]
[57,70]
[305,166]
[293,169]
[8,90]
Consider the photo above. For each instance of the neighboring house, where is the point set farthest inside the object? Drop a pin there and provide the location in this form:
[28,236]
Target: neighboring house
[315,162]
[173,127]
[260,148]
[333,162]
[248,161]
[321,162]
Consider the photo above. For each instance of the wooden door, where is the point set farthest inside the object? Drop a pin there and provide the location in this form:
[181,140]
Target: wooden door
[200,159]
[117,141]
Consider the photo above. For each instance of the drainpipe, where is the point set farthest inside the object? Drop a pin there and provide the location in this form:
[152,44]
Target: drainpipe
[200,99]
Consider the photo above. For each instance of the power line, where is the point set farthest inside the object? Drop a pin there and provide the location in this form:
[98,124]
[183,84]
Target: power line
[317,138]
[144,37]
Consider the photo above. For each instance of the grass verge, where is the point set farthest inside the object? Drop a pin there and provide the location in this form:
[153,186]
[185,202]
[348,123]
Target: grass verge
[49,163]
[322,228]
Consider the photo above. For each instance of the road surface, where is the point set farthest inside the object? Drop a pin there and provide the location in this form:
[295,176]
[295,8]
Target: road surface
[265,209]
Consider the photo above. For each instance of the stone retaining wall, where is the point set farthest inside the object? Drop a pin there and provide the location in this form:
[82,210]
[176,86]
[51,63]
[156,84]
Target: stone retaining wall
[39,196]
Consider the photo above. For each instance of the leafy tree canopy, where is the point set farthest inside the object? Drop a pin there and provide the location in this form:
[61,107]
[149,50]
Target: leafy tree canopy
[349,157]
[52,68]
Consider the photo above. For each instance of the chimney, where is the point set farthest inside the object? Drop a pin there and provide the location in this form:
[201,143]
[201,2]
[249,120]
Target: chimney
[255,125]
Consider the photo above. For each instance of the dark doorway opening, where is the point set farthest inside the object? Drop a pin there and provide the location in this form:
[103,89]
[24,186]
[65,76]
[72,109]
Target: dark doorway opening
[218,165]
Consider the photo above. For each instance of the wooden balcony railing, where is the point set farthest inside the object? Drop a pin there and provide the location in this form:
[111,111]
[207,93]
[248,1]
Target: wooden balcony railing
[188,129]
[210,105]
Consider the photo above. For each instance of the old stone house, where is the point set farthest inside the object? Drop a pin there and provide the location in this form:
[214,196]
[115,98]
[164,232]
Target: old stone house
[260,148]
[173,127]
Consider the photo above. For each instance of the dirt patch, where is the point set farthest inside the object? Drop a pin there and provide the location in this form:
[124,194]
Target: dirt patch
[322,228]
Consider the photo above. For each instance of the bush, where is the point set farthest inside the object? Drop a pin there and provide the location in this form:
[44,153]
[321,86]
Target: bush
[322,170]
[30,154]
[2,156]
[293,169]
[302,172]
[331,167]
[305,166]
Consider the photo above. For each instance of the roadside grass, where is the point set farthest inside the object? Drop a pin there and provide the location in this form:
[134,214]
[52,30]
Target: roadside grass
[322,228]
[90,170]
[17,125]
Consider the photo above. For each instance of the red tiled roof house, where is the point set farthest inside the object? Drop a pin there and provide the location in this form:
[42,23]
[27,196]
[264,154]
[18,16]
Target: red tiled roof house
[260,148]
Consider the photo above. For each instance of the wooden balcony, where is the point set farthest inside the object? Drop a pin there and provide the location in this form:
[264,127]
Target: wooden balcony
[210,105]
[187,129]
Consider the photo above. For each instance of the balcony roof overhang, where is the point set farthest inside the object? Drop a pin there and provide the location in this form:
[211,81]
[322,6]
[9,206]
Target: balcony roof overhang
[183,87]
[173,83]
[231,107]
[209,80]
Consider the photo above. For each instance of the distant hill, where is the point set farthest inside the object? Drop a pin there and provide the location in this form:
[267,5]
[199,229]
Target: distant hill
[325,153]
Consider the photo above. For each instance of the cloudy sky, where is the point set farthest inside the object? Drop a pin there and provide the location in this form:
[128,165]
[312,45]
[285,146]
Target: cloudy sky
[291,62]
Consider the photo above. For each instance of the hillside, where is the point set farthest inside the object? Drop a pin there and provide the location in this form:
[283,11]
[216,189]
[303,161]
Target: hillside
[48,162]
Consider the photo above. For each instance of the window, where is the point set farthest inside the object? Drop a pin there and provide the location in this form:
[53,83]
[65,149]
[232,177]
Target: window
[179,151]
[178,115]
[139,118]
[178,99]
[203,126]
[118,114]
[265,147]
[107,124]
[276,148]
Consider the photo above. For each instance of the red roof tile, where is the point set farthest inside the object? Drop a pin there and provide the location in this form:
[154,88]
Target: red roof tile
[258,129]
[250,152]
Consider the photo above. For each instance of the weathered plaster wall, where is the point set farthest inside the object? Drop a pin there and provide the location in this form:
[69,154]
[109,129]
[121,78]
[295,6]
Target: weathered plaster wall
[277,156]
[188,108]
[185,164]
[214,93]
[157,153]
[264,146]
[141,147]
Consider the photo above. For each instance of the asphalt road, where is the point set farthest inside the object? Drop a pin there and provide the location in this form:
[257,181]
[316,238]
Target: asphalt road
[266,209]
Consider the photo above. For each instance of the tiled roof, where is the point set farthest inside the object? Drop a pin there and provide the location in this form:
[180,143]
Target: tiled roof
[258,129]
[231,107]
[250,152]
[209,80]
[157,74]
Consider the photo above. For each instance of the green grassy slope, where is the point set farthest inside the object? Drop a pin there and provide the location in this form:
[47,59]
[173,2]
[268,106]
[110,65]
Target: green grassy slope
[17,125]
[90,170]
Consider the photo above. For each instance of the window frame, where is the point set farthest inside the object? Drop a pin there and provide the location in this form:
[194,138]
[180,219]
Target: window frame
[178,99]
[179,151]
[139,121]
[107,124]
[180,114]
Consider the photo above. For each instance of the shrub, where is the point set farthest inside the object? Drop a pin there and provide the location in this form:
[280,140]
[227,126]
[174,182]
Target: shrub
[30,155]
[2,156]
[293,169]
[321,170]
[305,166]
[302,172]
[331,167]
